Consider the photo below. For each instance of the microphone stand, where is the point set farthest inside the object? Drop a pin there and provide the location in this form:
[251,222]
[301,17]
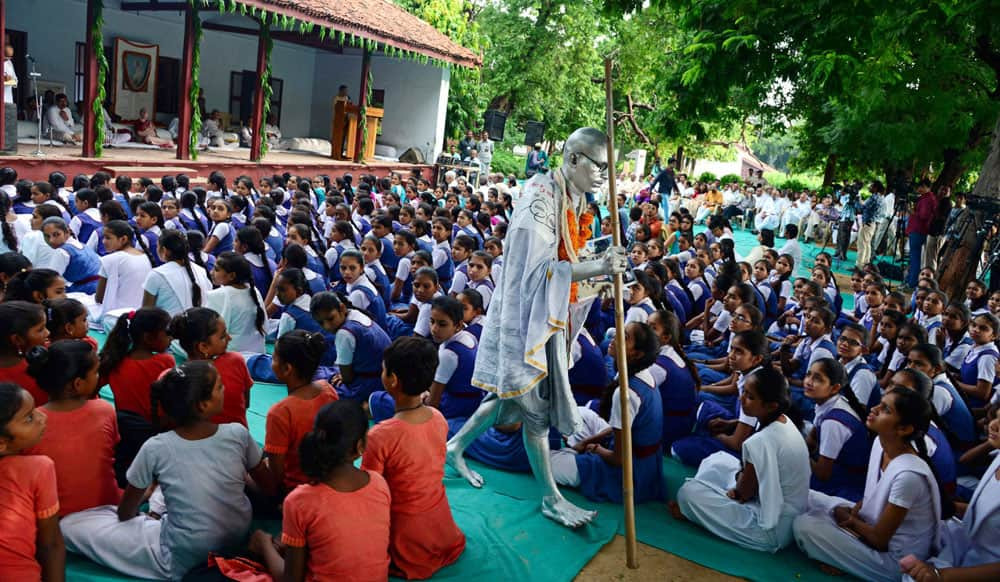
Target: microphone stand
[38,111]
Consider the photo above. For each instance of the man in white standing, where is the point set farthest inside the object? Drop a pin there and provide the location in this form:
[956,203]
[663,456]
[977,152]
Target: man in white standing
[523,357]
[485,147]
[9,109]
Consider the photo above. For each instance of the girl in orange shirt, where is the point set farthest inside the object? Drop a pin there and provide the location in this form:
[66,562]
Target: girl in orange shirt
[337,526]
[22,327]
[409,451]
[81,430]
[296,357]
[203,335]
[31,545]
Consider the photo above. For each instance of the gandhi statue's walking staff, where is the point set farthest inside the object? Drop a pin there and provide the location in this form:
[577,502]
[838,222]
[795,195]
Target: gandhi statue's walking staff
[534,317]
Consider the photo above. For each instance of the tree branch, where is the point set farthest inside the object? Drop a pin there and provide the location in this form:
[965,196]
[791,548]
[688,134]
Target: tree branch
[984,50]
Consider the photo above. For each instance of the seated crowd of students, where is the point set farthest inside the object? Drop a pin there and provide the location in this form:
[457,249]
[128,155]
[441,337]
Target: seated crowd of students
[853,433]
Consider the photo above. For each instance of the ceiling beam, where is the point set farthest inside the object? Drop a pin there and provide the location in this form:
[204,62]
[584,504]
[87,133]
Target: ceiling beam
[154,6]
[282,35]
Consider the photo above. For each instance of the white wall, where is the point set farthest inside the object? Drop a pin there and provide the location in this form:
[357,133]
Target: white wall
[416,95]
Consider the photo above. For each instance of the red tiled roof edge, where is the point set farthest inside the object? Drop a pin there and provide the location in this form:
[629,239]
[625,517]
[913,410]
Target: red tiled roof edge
[378,20]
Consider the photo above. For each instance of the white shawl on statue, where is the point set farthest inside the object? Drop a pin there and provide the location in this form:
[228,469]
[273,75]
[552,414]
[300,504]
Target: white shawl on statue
[530,305]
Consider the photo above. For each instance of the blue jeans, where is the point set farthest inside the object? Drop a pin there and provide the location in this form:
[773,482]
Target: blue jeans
[916,257]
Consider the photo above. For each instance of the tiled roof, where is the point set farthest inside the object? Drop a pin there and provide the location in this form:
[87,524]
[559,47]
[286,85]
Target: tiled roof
[378,20]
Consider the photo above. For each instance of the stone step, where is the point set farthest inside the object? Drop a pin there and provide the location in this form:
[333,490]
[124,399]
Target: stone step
[150,171]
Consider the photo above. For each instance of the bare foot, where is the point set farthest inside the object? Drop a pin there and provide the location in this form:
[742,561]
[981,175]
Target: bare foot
[562,511]
[456,461]
[675,511]
[830,570]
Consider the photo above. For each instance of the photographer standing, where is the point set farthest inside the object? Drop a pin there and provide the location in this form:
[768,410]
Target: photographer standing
[917,228]
[870,212]
[848,215]
[936,231]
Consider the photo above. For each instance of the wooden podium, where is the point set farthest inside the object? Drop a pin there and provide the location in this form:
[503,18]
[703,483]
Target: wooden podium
[344,133]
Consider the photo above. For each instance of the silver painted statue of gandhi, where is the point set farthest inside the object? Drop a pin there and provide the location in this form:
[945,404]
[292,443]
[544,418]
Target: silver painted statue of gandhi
[534,317]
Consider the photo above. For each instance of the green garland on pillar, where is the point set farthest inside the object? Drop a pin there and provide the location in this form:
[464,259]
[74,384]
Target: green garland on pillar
[363,114]
[265,83]
[97,39]
[193,137]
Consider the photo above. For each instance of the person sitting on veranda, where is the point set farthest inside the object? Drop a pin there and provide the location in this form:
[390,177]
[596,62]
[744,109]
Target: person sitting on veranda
[213,129]
[60,120]
[145,131]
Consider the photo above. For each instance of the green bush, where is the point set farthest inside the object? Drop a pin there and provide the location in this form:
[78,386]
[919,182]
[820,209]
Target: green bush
[506,163]
[707,177]
[730,179]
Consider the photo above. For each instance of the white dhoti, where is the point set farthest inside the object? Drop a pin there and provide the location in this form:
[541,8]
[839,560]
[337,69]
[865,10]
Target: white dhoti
[131,547]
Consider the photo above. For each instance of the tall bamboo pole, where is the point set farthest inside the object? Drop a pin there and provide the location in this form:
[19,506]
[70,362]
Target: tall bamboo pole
[628,493]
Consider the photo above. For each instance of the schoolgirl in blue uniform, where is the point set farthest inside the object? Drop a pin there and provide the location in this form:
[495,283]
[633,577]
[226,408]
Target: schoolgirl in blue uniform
[22,204]
[977,377]
[382,227]
[955,417]
[675,377]
[957,342]
[273,231]
[860,375]
[817,344]
[360,290]
[79,265]
[588,376]
[342,235]
[939,450]
[149,222]
[371,250]
[598,473]
[461,250]
[359,344]
[250,244]
[223,234]
[749,352]
[473,314]
[677,289]
[761,272]
[441,253]
[839,442]
[88,219]
[644,297]
[404,246]
[694,274]
[452,390]
[301,234]
[193,215]
[44,193]
[480,265]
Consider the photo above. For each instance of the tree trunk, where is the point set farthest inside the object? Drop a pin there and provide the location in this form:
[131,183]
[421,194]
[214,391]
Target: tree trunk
[830,172]
[961,255]
[679,156]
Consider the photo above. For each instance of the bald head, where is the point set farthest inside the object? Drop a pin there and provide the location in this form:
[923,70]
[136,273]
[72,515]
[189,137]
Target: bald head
[587,140]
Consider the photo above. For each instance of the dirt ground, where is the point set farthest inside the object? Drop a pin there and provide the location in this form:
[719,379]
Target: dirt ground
[654,564]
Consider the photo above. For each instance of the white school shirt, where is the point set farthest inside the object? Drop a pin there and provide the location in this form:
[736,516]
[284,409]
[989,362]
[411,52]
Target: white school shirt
[933,333]
[447,359]
[124,274]
[356,296]
[957,355]
[636,313]
[171,286]
[741,380]
[659,373]
[863,383]
[459,280]
[634,401]
[817,353]
[440,254]
[422,326]
[941,397]
[403,267]
[287,323]
[239,310]
[987,369]
[76,223]
[833,435]
[722,322]
[345,342]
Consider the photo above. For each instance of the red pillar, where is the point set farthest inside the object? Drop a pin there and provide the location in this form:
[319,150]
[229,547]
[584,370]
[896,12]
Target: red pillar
[257,119]
[3,46]
[90,73]
[184,110]
[366,65]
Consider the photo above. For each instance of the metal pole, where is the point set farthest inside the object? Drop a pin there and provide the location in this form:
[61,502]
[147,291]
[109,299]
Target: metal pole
[628,493]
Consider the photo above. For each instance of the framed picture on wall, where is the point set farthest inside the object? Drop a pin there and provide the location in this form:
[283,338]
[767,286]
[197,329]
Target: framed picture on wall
[137,68]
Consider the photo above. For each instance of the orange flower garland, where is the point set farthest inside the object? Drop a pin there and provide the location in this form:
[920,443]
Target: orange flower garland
[580,233]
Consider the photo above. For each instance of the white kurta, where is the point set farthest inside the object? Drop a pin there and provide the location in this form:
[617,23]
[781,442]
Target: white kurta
[781,461]
[523,350]
[819,536]
[973,541]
